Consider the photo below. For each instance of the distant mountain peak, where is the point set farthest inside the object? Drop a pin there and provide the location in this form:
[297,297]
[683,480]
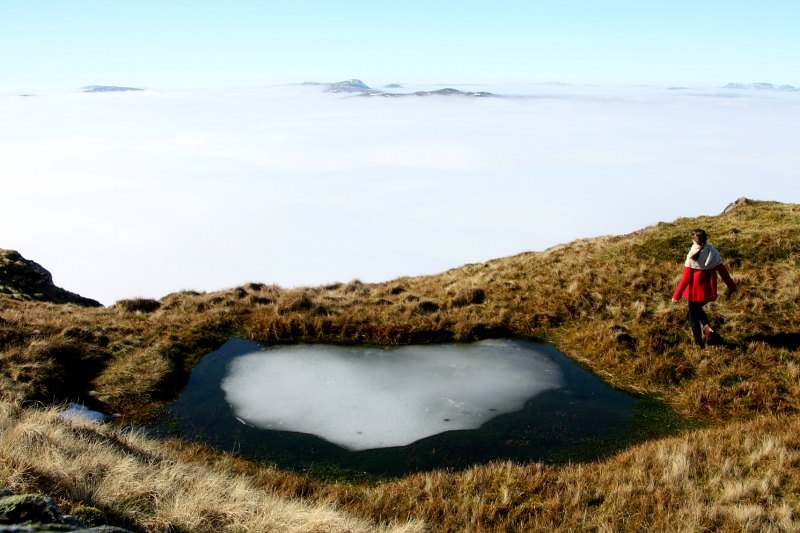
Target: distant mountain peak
[108,89]
[348,86]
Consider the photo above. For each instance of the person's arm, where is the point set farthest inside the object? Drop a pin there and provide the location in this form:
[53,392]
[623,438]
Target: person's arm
[687,272]
[726,277]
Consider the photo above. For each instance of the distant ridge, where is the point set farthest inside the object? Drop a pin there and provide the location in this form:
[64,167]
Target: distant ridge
[358,87]
[762,86]
[448,91]
[108,89]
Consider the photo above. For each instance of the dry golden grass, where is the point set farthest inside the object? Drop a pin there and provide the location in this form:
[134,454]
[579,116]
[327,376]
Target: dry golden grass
[136,482]
[741,477]
[603,301]
[744,477]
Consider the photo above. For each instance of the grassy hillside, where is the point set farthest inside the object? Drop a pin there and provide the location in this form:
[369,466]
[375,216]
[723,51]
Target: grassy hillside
[603,301]
[133,481]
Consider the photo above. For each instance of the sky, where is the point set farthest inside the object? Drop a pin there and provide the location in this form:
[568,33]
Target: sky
[46,44]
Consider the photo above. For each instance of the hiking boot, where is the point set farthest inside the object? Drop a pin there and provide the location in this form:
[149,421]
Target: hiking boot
[707,333]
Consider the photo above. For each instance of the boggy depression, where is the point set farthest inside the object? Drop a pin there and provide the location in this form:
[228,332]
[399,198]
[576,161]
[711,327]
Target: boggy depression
[384,411]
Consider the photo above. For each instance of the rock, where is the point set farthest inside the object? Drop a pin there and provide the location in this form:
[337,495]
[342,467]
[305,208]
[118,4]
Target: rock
[35,513]
[72,522]
[29,508]
[28,280]
[739,202]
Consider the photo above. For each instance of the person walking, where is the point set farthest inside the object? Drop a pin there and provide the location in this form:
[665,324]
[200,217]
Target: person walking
[698,284]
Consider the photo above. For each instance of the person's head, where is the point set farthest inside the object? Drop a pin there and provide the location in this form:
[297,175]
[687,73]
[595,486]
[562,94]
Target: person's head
[699,236]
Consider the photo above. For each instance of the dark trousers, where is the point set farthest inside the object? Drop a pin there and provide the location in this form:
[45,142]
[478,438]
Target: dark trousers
[697,319]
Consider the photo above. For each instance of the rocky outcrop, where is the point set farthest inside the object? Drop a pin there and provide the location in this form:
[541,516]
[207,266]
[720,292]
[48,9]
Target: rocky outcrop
[29,507]
[34,513]
[739,202]
[27,280]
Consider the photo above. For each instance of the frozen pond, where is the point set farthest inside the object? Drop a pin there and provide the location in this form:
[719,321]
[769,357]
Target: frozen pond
[389,410]
[362,398]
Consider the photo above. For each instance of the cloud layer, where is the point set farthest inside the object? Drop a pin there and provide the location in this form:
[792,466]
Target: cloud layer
[144,193]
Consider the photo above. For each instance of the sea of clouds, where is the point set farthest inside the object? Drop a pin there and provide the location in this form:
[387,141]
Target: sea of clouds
[145,193]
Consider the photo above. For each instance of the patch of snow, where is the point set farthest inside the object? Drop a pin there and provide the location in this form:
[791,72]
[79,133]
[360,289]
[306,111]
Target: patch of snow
[76,410]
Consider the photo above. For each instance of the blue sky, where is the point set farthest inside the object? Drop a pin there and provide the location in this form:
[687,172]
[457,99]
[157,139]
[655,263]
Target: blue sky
[61,44]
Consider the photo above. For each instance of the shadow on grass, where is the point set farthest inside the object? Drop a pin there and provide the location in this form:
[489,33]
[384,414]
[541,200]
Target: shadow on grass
[790,341]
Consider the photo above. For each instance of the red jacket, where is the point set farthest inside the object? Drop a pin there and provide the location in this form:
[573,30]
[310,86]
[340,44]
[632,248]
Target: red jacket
[701,285]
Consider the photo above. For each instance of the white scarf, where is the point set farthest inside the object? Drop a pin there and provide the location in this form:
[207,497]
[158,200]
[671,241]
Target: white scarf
[708,258]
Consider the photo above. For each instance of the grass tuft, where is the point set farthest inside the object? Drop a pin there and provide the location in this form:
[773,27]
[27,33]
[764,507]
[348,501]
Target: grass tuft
[138,305]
